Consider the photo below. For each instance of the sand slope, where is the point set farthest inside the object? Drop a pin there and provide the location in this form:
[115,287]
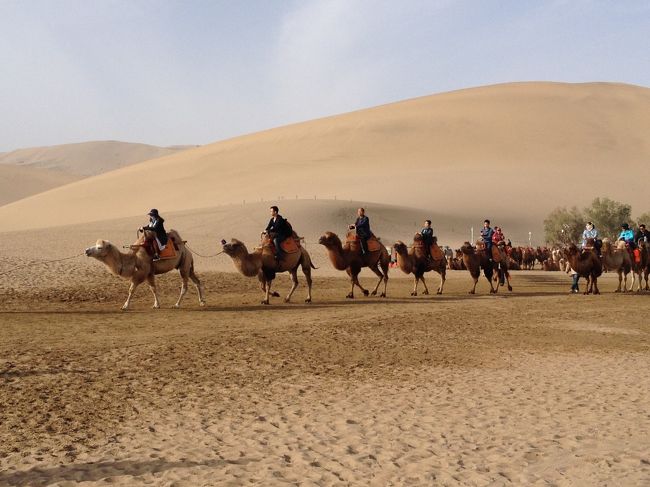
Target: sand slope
[18,182]
[87,158]
[513,150]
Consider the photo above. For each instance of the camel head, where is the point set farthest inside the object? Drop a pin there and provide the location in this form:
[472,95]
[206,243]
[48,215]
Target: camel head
[400,247]
[467,249]
[234,249]
[570,251]
[330,240]
[99,250]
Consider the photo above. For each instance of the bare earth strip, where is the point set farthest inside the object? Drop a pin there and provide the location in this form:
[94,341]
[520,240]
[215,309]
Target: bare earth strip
[537,387]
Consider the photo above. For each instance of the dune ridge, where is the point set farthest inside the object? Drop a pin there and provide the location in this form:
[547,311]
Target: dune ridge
[505,151]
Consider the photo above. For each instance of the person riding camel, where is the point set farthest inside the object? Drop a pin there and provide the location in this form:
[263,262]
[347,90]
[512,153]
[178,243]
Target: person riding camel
[156,225]
[427,237]
[627,235]
[590,232]
[642,234]
[362,227]
[278,230]
[486,235]
[497,236]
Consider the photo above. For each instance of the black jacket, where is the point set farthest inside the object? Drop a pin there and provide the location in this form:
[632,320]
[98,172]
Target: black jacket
[362,227]
[639,235]
[280,227]
[158,226]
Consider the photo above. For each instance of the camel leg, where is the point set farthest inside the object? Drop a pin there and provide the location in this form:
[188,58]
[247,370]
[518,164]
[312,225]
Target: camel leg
[267,292]
[507,276]
[424,283]
[493,290]
[381,278]
[475,279]
[132,289]
[415,286]
[620,282]
[306,270]
[594,281]
[183,293]
[443,278]
[199,287]
[151,280]
[294,284]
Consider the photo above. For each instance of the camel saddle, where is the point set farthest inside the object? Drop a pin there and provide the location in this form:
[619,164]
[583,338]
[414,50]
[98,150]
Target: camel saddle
[151,246]
[353,241]
[496,253]
[435,251]
[289,245]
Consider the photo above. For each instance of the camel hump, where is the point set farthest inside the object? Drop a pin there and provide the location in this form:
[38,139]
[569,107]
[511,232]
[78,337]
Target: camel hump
[436,252]
[289,245]
[352,241]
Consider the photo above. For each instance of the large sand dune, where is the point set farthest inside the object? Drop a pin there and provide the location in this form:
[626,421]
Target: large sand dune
[507,151]
[87,158]
[18,182]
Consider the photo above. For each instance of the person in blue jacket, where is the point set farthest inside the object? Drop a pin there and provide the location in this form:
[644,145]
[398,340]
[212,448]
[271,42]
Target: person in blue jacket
[486,235]
[589,232]
[627,235]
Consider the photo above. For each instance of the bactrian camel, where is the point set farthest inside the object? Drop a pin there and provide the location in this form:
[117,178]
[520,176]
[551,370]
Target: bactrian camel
[137,265]
[415,260]
[350,259]
[261,263]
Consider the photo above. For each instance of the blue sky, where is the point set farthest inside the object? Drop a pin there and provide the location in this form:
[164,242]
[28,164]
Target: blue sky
[194,72]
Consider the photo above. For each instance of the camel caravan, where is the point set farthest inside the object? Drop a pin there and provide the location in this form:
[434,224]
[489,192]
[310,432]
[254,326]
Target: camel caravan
[280,250]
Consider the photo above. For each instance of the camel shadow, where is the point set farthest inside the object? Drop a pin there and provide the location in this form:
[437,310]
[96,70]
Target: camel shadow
[93,472]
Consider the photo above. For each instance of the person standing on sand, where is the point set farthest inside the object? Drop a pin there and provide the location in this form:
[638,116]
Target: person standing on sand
[156,225]
[362,227]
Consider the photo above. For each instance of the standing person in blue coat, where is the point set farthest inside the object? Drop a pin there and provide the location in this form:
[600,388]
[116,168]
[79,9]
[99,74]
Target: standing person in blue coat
[486,234]
[362,227]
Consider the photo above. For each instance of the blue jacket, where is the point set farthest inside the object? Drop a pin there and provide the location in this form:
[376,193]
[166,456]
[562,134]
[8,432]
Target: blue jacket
[362,227]
[627,235]
[427,235]
[593,233]
[486,235]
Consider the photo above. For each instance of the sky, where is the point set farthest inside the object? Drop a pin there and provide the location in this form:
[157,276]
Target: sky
[195,71]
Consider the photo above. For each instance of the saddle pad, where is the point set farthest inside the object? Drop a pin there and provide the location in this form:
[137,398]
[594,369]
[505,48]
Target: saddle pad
[289,245]
[168,252]
[436,252]
[496,255]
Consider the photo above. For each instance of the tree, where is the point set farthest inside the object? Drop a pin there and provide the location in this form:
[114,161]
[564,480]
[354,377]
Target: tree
[563,226]
[607,215]
[643,218]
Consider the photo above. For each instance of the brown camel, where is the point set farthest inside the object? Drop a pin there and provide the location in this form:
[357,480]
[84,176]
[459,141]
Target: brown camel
[138,266]
[415,260]
[261,263]
[618,260]
[587,264]
[348,258]
[476,260]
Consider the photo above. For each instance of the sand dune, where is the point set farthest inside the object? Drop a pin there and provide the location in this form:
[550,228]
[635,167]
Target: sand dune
[87,158]
[18,182]
[506,151]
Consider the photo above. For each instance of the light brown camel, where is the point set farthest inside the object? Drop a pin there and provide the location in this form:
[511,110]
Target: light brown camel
[587,264]
[475,260]
[618,260]
[137,265]
[415,260]
[348,258]
[261,263]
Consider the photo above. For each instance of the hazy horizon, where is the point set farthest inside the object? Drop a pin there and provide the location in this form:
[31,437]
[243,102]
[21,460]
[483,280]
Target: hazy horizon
[193,73]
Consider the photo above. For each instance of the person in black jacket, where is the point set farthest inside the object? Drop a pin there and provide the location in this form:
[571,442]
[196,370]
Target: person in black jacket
[642,234]
[362,227]
[156,225]
[427,237]
[278,229]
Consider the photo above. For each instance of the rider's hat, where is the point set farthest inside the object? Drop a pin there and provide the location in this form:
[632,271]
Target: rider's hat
[153,212]
[625,226]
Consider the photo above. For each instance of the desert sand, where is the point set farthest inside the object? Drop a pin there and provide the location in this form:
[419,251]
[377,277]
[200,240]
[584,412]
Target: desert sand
[18,182]
[514,150]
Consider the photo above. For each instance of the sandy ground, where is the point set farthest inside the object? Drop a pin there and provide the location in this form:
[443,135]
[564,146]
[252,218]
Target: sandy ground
[536,387]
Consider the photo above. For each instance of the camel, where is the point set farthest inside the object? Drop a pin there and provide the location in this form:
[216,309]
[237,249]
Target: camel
[138,266]
[618,260]
[261,263]
[640,266]
[528,258]
[416,261]
[474,261]
[500,265]
[587,264]
[348,258]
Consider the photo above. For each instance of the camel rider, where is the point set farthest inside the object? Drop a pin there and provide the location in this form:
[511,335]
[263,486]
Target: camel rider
[591,232]
[642,234]
[486,234]
[362,227]
[627,235]
[278,229]
[427,237]
[156,225]
[497,236]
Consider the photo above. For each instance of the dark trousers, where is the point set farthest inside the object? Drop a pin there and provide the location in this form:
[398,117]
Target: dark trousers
[574,285]
[277,239]
[364,244]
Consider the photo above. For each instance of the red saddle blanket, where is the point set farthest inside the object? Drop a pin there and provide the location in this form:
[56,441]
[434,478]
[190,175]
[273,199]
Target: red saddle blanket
[289,245]
[151,246]
[435,251]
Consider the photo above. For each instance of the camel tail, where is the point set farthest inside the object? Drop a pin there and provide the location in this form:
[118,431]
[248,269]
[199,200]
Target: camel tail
[312,265]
